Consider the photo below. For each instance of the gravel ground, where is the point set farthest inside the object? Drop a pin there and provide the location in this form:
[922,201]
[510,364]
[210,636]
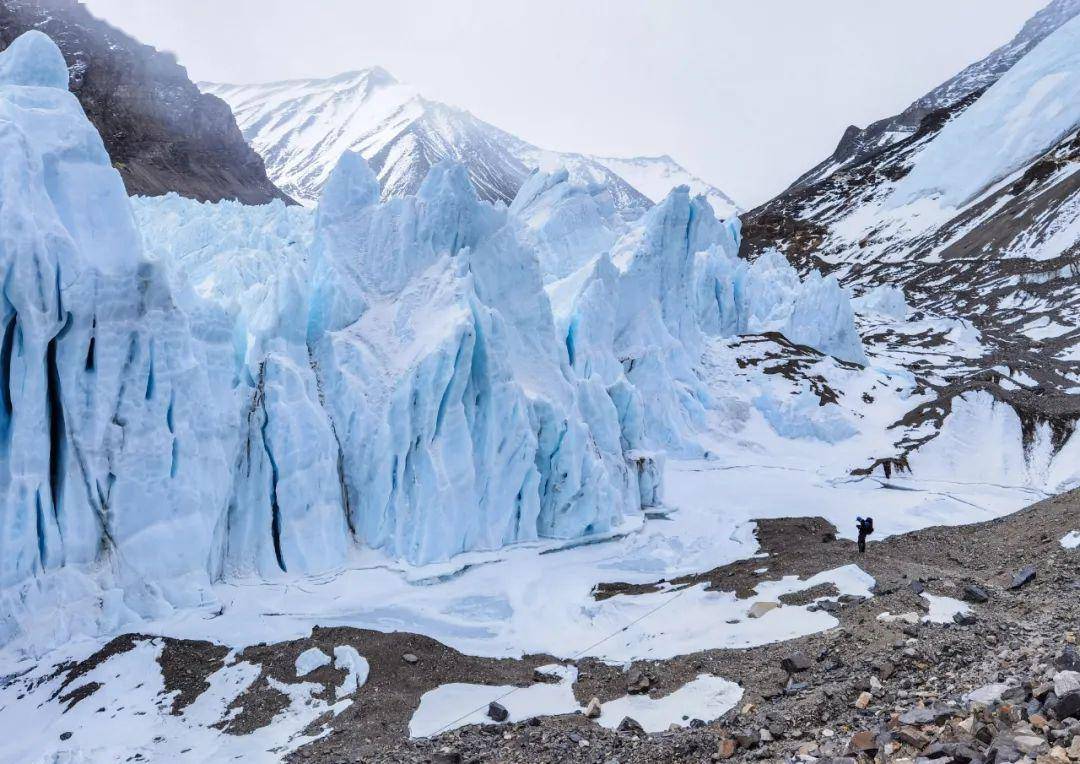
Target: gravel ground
[860,676]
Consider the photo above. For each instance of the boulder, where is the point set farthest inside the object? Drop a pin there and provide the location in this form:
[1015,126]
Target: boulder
[913,736]
[1068,660]
[1023,577]
[592,711]
[964,618]
[796,662]
[631,726]
[973,593]
[637,682]
[864,742]
[759,609]
[498,712]
[926,715]
[1065,706]
[1066,682]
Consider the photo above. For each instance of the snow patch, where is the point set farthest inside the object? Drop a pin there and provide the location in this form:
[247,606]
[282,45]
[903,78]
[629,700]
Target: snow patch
[311,659]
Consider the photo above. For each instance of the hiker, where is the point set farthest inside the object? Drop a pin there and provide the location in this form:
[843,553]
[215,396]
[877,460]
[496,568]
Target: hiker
[866,527]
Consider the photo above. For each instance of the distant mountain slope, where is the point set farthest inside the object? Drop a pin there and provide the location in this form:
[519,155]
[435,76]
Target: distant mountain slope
[301,128]
[859,144]
[161,133]
[976,215]
[656,176]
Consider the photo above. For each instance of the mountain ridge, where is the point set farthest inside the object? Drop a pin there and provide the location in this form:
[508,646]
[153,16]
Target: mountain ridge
[859,144]
[161,133]
[300,127]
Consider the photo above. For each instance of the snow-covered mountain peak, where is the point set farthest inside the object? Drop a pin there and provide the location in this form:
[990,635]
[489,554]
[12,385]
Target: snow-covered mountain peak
[1030,108]
[301,128]
[656,176]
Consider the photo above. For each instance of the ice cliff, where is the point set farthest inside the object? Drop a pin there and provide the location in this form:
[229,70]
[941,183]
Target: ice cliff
[111,446]
[207,391]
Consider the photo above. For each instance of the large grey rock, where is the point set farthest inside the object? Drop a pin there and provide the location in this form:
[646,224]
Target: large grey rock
[1065,706]
[637,682]
[1023,577]
[1066,682]
[796,662]
[926,715]
[973,593]
[1068,660]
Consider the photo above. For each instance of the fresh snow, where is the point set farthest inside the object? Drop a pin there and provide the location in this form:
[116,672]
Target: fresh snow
[705,697]
[450,706]
[942,609]
[302,127]
[656,176]
[137,719]
[1033,105]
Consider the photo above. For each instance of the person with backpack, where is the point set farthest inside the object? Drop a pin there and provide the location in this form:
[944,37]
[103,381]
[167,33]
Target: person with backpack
[866,527]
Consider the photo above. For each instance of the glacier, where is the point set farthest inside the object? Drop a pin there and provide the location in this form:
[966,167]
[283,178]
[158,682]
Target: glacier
[205,392]
[111,442]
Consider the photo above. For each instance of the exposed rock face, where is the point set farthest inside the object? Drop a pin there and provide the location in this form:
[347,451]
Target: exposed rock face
[1014,243]
[161,133]
[859,144]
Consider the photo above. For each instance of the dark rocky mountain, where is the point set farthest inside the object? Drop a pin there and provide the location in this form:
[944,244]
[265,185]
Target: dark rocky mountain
[859,144]
[162,134]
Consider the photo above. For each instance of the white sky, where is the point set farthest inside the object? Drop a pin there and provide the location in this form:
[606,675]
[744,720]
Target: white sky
[746,94]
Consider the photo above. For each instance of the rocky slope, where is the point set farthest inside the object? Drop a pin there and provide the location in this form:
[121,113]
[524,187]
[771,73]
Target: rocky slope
[973,224]
[301,127]
[964,653]
[161,133]
[859,144]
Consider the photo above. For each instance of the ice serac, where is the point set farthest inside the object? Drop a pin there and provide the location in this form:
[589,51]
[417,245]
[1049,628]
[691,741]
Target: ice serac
[637,315]
[241,274]
[815,311]
[111,445]
[460,424]
[569,224]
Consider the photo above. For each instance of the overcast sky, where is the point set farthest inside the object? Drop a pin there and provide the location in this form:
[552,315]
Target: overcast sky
[747,94]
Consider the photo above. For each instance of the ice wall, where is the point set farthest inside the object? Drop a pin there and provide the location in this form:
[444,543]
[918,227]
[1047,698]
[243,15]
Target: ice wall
[460,425]
[636,316]
[113,440]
